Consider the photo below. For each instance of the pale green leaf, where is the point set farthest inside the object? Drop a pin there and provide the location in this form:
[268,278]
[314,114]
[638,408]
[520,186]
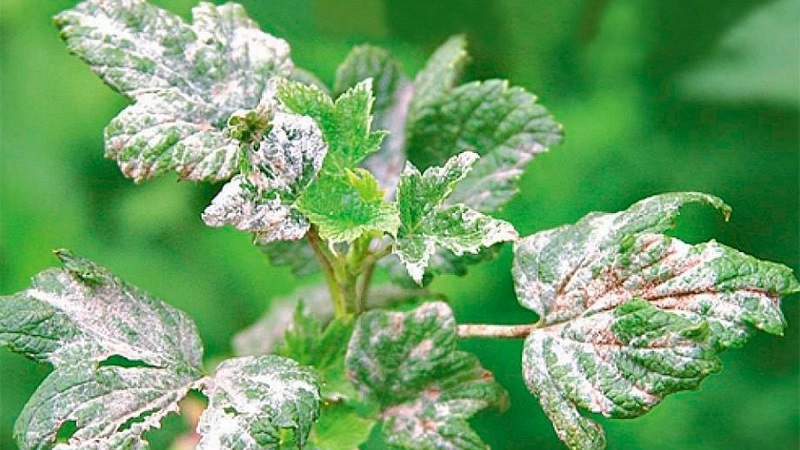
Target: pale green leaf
[123,359]
[345,124]
[392,90]
[339,427]
[408,363]
[348,205]
[629,316]
[262,200]
[185,80]
[253,399]
[427,223]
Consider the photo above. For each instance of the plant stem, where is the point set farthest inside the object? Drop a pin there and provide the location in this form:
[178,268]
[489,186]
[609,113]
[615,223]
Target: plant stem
[480,330]
[326,260]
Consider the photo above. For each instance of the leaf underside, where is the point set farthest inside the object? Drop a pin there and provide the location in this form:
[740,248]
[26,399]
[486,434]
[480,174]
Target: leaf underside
[630,316]
[185,81]
[408,364]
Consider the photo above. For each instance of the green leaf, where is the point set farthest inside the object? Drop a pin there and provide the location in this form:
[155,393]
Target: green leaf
[297,255]
[426,223]
[253,399]
[185,81]
[263,199]
[308,343]
[629,316]
[427,389]
[345,124]
[393,92]
[340,427]
[503,124]
[265,334]
[440,74]
[348,205]
[123,359]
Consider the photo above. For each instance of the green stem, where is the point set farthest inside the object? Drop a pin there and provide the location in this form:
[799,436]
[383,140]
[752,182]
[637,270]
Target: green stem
[329,262]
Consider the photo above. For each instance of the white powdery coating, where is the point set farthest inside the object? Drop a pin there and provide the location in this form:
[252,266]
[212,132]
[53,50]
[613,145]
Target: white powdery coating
[250,390]
[185,80]
[457,228]
[111,321]
[286,161]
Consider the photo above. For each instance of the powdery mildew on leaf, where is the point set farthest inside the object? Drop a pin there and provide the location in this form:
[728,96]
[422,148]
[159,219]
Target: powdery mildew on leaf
[393,91]
[123,359]
[505,125]
[263,200]
[252,399]
[344,202]
[185,80]
[427,223]
[110,405]
[427,389]
[631,316]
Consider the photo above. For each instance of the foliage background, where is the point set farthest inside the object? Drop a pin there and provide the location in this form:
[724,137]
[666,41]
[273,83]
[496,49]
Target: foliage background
[654,96]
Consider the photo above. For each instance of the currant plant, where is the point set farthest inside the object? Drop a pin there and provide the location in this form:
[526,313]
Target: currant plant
[383,172]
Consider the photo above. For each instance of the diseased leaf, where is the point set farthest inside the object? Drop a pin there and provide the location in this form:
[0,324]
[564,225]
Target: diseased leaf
[505,125]
[185,81]
[393,91]
[253,399]
[427,224]
[123,359]
[110,405]
[345,124]
[427,389]
[345,206]
[630,316]
[262,200]
[344,202]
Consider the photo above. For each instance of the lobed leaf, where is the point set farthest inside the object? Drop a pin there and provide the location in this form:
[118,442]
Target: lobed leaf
[123,359]
[409,365]
[345,124]
[630,316]
[185,81]
[263,199]
[252,399]
[345,206]
[427,224]
[505,125]
[393,91]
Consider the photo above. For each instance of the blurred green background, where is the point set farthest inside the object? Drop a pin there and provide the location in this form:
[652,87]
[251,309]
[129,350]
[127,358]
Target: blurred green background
[654,96]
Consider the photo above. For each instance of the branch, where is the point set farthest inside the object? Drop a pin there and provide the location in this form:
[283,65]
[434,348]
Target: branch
[480,330]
